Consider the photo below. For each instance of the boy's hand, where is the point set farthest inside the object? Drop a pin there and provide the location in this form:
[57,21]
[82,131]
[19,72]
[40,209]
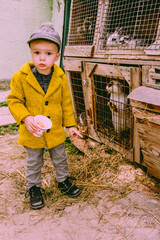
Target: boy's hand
[30,124]
[73,131]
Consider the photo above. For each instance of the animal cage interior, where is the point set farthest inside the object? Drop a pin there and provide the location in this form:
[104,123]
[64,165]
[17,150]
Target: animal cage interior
[82,22]
[125,24]
[128,24]
[112,112]
[113,116]
[78,95]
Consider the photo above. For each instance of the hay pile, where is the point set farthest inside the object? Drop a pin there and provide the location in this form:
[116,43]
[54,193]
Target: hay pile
[101,169]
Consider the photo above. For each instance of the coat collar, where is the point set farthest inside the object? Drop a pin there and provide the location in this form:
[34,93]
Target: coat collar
[54,83]
[56,80]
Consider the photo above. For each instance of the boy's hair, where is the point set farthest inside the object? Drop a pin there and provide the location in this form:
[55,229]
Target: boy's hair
[46,32]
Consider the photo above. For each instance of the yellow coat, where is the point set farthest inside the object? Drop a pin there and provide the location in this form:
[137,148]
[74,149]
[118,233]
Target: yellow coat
[28,98]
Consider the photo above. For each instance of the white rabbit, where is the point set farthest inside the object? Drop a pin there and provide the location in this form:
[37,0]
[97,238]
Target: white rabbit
[118,106]
[113,38]
[119,38]
[127,40]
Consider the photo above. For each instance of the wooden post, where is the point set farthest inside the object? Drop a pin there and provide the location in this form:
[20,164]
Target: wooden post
[135,82]
[88,97]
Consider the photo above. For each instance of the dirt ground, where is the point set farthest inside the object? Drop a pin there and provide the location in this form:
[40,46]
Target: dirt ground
[133,216]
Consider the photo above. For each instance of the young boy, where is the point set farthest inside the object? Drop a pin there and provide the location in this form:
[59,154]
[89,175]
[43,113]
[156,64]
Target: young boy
[41,88]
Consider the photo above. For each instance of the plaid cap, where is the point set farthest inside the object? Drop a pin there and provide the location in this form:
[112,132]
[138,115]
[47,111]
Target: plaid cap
[46,32]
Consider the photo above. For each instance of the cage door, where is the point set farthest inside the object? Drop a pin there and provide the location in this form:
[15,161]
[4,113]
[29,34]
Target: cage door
[112,113]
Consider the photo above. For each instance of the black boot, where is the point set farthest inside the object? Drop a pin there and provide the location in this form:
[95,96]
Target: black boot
[68,188]
[36,199]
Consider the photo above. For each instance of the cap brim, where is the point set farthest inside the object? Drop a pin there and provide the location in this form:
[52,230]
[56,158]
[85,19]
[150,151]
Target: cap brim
[43,38]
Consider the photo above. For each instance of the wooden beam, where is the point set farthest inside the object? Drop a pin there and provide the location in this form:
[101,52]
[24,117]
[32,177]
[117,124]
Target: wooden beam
[80,51]
[88,97]
[72,65]
[90,67]
[135,82]
[117,60]
[152,163]
[146,115]
[108,70]
[135,77]
[145,75]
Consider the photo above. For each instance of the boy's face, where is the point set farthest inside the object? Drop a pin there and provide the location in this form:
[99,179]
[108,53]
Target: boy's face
[44,54]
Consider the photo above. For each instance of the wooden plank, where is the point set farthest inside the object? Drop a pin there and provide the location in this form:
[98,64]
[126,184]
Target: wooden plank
[85,145]
[138,57]
[136,144]
[111,71]
[89,51]
[146,115]
[151,138]
[98,23]
[70,65]
[81,144]
[155,75]
[145,75]
[149,76]
[153,148]
[135,77]
[145,106]
[157,67]
[116,60]
[88,98]
[154,51]
[80,51]
[152,164]
[90,67]
[151,131]
[126,73]
[5,117]
[153,85]
[118,51]
[146,95]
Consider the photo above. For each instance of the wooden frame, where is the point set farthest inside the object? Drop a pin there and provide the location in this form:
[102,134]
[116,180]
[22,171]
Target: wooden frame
[149,76]
[137,68]
[131,74]
[92,51]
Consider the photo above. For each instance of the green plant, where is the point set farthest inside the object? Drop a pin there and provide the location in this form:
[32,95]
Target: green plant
[70,148]
[12,129]
[4,104]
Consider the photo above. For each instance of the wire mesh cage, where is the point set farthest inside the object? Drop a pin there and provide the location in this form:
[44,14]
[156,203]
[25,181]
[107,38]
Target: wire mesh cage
[113,115]
[112,112]
[128,24]
[82,22]
[77,93]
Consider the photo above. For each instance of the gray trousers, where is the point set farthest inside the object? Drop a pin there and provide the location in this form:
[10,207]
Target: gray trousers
[35,163]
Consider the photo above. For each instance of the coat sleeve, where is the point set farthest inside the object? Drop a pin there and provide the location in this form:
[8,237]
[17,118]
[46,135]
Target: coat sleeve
[16,99]
[67,105]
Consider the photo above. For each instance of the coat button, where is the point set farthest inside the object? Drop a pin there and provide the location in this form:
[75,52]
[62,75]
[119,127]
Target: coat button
[46,103]
[48,130]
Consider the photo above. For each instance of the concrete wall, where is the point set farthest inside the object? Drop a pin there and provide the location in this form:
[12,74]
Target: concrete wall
[57,15]
[18,19]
